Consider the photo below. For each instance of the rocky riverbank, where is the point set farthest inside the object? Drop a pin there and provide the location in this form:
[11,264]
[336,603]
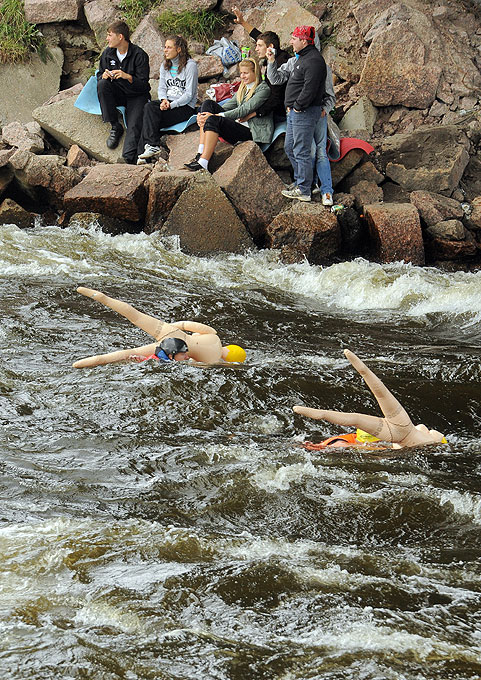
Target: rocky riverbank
[407,80]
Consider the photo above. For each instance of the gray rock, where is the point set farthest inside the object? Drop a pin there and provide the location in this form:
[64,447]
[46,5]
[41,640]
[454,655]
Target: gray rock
[28,85]
[449,230]
[69,125]
[414,161]
[361,116]
[51,11]
[205,221]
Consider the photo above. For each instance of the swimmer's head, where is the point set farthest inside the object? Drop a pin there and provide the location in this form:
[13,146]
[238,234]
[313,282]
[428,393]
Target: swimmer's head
[175,348]
[364,437]
[233,354]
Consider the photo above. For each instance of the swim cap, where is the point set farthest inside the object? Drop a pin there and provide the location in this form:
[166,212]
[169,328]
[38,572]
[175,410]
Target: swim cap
[304,33]
[235,354]
[362,436]
[172,346]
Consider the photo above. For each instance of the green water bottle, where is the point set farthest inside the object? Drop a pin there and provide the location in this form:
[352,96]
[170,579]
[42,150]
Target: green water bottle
[245,51]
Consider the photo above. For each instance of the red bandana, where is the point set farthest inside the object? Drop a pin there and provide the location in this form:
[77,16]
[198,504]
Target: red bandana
[304,33]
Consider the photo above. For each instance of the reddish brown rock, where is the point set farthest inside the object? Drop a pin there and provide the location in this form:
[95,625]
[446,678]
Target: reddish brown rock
[109,225]
[99,15]
[259,201]
[415,160]
[365,172]
[115,190]
[209,66]
[12,213]
[395,231]
[205,221]
[305,230]
[49,11]
[76,157]
[366,193]
[435,208]
[402,65]
[73,91]
[440,249]
[342,168]
[44,178]
[184,147]
[149,38]
[165,189]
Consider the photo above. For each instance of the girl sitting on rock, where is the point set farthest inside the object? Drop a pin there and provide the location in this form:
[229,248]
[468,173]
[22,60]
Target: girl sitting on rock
[177,96]
[235,121]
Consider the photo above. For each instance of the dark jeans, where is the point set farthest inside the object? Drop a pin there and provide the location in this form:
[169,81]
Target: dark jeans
[154,119]
[110,96]
[228,129]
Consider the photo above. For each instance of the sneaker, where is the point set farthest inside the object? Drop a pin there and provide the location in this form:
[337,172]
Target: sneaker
[315,189]
[141,161]
[296,193]
[194,162]
[327,199]
[149,151]
[194,166]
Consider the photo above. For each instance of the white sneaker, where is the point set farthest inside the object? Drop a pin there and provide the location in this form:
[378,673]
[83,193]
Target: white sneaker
[296,193]
[327,199]
[141,161]
[149,151]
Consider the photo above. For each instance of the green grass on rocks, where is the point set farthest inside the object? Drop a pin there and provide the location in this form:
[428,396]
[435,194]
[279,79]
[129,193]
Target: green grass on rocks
[201,26]
[18,38]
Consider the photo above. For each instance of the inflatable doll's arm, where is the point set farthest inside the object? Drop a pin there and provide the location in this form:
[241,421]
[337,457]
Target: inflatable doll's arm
[194,327]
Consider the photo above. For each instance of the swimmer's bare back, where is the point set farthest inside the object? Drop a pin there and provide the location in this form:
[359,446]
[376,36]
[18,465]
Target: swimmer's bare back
[204,344]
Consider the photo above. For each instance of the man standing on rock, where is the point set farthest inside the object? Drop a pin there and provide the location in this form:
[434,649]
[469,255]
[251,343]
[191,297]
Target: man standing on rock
[305,92]
[123,80]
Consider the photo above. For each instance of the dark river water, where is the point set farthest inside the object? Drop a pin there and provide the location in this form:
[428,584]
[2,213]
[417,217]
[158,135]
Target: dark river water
[164,522]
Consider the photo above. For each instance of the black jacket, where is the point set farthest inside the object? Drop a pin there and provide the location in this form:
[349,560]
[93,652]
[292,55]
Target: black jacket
[135,63]
[307,83]
[275,103]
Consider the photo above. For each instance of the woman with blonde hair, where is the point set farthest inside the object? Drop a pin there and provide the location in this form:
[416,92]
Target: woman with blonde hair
[236,120]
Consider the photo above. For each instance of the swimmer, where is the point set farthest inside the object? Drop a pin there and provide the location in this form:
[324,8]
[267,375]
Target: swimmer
[396,426]
[202,341]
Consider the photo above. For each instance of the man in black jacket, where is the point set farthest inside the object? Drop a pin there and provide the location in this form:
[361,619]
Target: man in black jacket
[305,93]
[123,80]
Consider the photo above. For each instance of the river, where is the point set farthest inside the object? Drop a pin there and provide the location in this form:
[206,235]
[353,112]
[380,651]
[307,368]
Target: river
[164,522]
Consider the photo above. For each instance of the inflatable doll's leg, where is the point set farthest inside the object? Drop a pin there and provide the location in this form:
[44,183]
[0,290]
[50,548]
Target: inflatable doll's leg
[113,357]
[147,323]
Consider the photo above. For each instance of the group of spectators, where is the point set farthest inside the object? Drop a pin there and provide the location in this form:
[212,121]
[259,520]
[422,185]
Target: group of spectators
[273,86]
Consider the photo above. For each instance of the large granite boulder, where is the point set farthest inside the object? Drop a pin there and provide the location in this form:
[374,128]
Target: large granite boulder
[28,85]
[183,148]
[205,221]
[99,15]
[361,116]
[113,190]
[69,125]
[165,189]
[432,159]
[283,16]
[148,36]
[395,232]
[107,224]
[402,64]
[475,216]
[12,213]
[434,208]
[51,11]
[45,179]
[208,65]
[22,137]
[305,231]
[449,230]
[253,188]
[341,169]
[446,249]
